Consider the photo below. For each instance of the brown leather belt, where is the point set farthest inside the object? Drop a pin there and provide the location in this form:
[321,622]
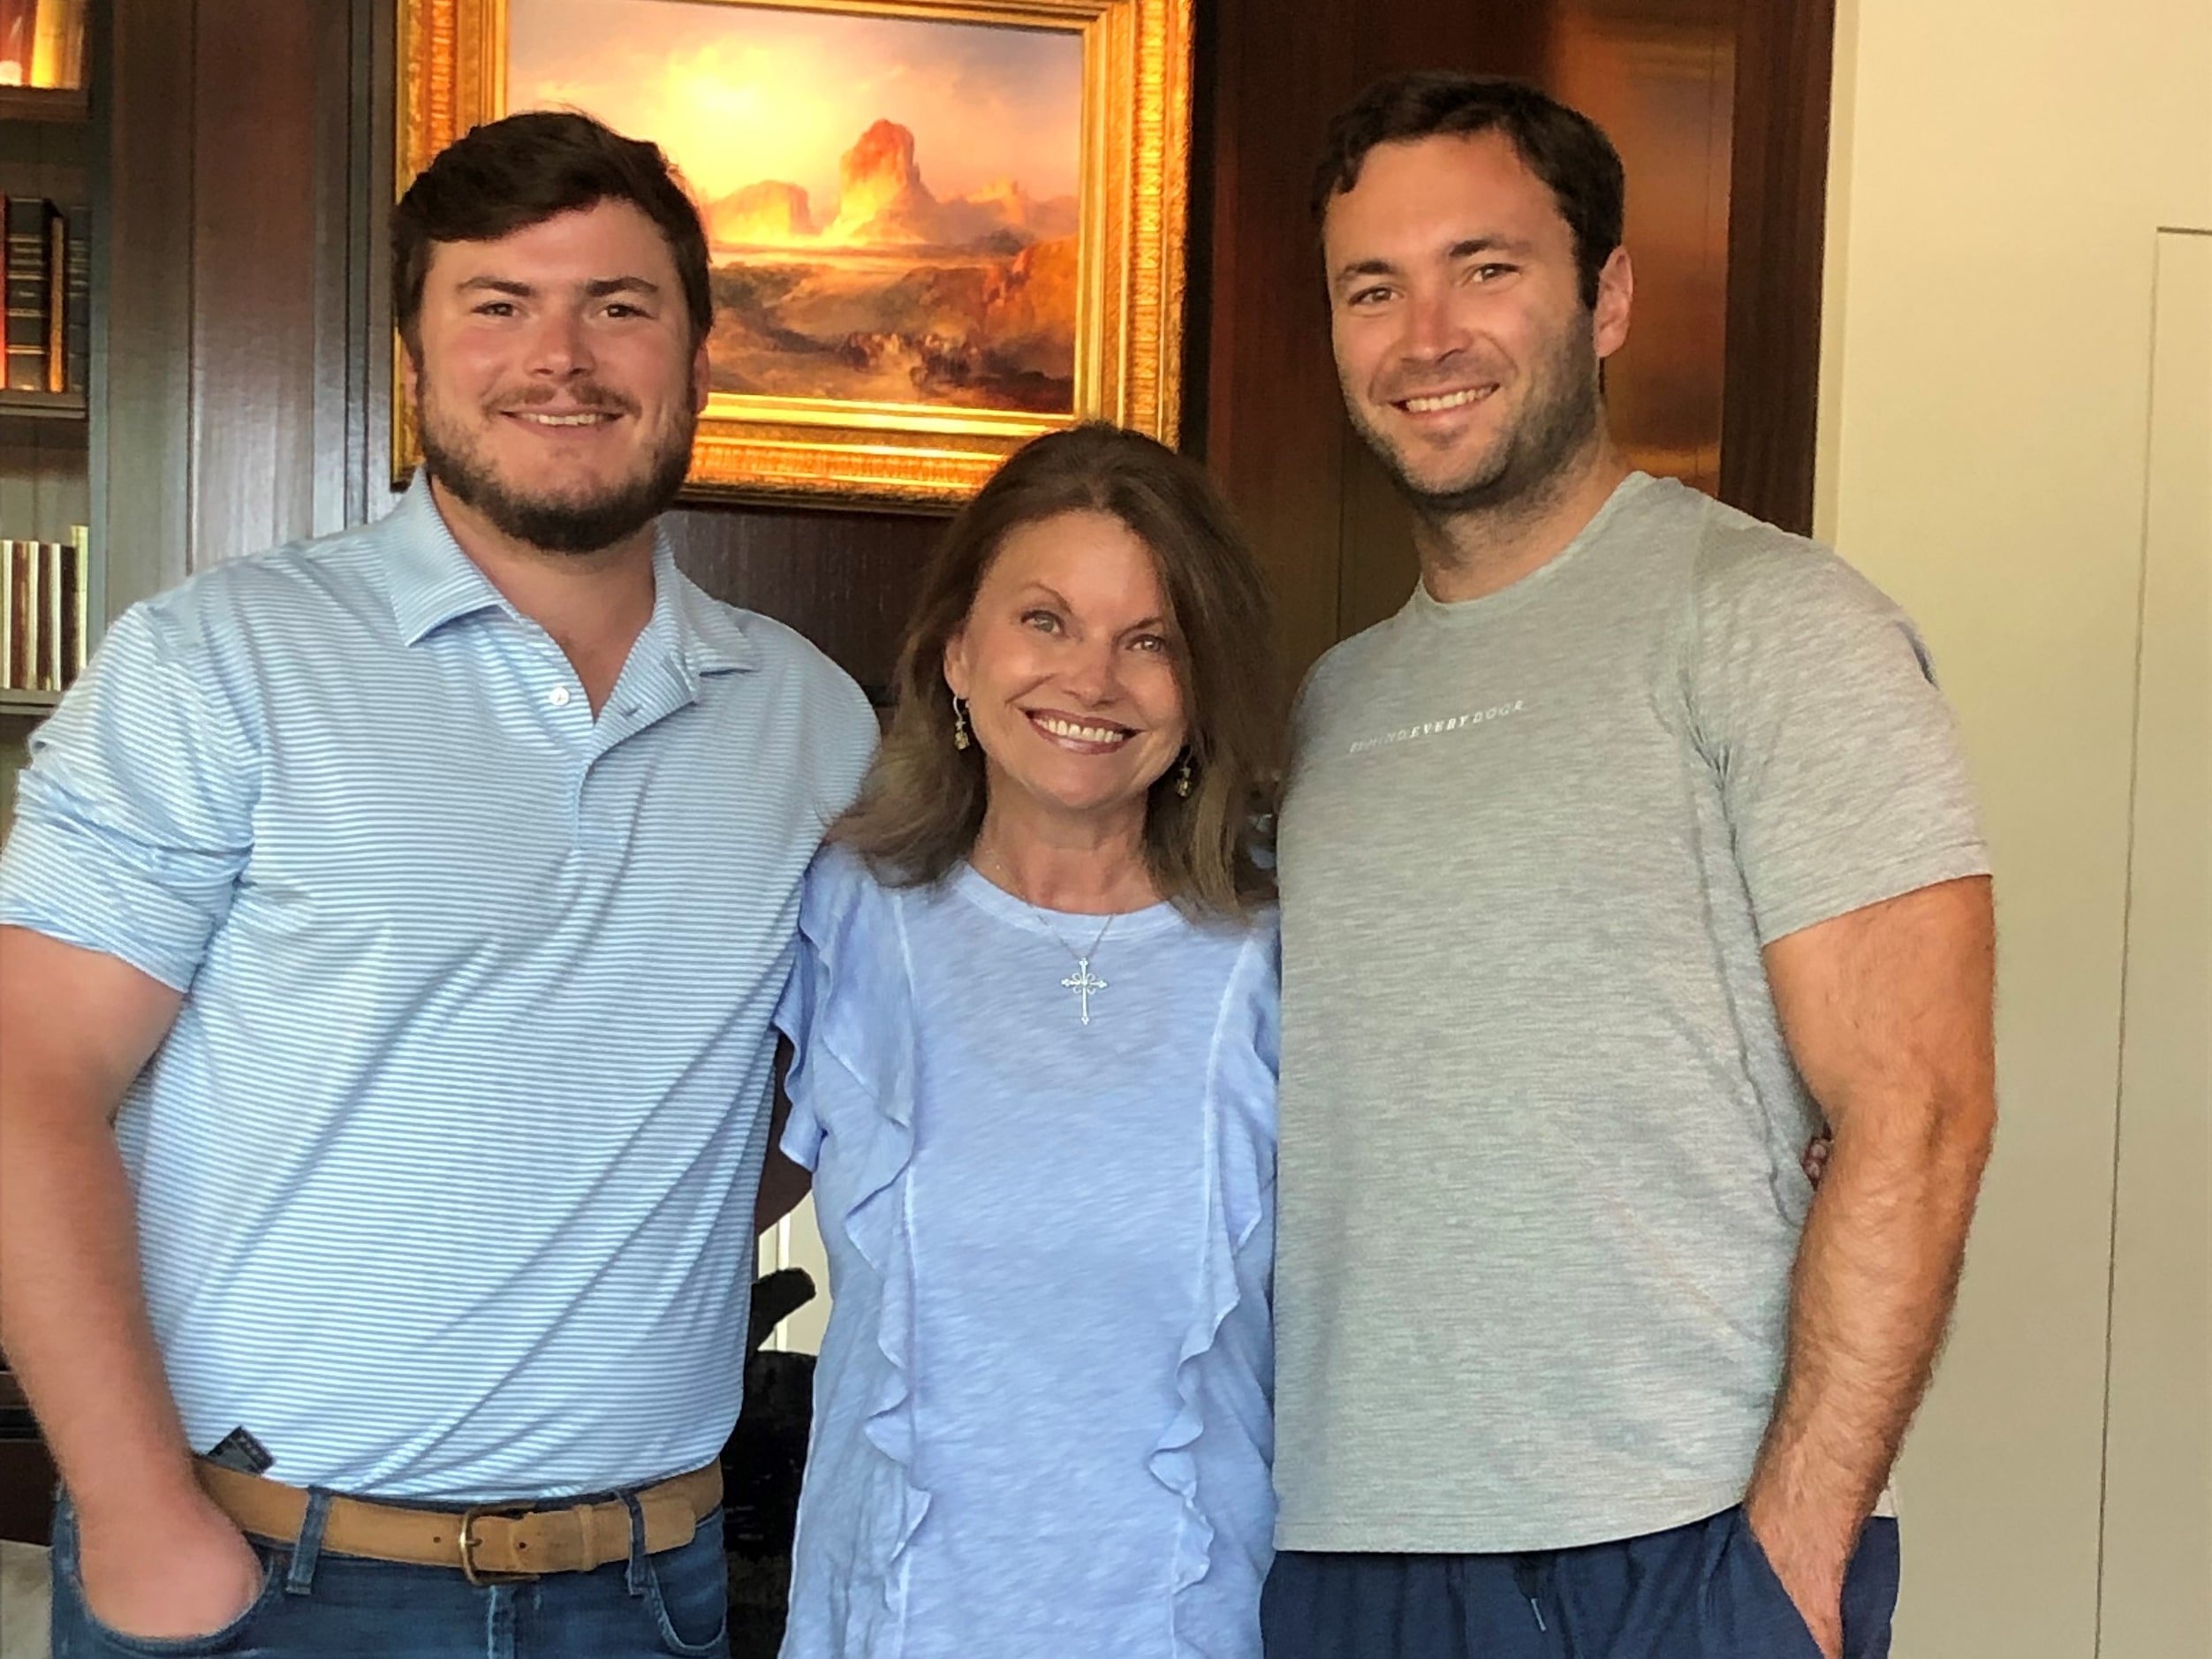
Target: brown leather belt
[486,1543]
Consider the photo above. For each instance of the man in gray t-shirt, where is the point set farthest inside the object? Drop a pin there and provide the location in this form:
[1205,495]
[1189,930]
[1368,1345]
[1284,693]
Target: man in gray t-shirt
[1631,855]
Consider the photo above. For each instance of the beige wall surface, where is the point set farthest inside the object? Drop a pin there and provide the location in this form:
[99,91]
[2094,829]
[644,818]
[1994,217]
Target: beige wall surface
[2158,1567]
[2000,172]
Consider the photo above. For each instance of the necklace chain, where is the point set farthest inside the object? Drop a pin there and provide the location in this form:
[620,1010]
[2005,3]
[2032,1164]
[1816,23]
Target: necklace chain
[1083,982]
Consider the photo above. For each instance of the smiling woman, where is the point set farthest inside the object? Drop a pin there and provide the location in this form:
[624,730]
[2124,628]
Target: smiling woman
[1097,584]
[1034,1018]
[1065,668]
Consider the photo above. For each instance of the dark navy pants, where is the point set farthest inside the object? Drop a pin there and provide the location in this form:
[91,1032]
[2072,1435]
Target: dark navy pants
[1703,1591]
[317,1605]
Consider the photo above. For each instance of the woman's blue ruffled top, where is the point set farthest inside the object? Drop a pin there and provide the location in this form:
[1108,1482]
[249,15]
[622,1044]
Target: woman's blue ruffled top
[1041,1416]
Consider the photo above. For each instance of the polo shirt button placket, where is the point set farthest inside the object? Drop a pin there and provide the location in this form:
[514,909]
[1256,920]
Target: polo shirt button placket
[559,697]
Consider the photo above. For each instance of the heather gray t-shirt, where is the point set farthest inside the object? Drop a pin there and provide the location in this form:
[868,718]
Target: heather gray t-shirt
[1540,1187]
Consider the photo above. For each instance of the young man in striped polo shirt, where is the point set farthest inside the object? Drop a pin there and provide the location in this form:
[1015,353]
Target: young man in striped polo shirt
[387,942]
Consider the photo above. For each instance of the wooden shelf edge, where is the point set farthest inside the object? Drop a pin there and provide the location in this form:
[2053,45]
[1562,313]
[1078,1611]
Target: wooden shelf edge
[67,105]
[29,705]
[44,405]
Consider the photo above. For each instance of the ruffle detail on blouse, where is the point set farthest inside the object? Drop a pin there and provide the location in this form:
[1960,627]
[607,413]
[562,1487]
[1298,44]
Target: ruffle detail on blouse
[853,1028]
[1240,1079]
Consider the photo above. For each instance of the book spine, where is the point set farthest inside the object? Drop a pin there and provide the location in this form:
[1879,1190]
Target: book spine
[25,565]
[57,303]
[8,681]
[77,301]
[49,633]
[29,292]
[80,589]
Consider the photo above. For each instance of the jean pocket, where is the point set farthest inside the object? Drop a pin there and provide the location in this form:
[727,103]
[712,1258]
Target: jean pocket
[80,1633]
[689,1591]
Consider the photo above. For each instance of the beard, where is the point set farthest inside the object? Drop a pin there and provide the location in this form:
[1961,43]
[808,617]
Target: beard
[581,520]
[1523,463]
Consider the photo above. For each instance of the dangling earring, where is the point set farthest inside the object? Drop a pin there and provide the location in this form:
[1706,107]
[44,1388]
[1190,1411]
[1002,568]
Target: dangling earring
[960,739]
[1183,776]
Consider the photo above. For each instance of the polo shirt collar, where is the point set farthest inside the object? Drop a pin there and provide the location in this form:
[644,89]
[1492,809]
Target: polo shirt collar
[433,582]
[710,636]
[430,581]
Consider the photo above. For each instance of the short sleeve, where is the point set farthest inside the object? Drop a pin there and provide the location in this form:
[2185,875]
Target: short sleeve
[802,1136]
[1839,760]
[135,818]
[850,736]
[1302,718]
[1267,1034]
[839,1006]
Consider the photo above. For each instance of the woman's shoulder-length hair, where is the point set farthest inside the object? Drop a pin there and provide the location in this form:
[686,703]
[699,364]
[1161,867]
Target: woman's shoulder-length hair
[922,803]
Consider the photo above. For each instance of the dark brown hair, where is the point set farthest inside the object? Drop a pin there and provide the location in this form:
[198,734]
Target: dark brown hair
[922,803]
[510,174]
[1562,147]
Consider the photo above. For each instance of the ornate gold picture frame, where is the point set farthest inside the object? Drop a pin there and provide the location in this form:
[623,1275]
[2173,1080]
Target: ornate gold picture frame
[1006,260]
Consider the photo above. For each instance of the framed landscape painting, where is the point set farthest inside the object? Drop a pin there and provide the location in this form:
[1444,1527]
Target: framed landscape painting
[937,227]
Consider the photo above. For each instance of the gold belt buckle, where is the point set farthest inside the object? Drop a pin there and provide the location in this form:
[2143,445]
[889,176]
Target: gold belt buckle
[468,1541]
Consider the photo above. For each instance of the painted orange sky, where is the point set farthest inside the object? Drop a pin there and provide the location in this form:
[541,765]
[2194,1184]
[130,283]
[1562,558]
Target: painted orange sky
[736,94]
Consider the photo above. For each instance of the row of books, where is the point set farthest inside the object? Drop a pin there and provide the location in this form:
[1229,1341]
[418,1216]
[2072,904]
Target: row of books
[46,273]
[43,42]
[44,625]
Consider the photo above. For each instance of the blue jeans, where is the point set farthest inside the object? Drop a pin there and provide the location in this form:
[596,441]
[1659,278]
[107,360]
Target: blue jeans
[313,1603]
[1703,1591]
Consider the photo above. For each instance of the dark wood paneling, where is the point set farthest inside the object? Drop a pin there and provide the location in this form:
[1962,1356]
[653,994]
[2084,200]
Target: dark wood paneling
[365,323]
[345,183]
[1269,438]
[1776,235]
[1657,75]
[368,337]
[44,489]
[27,1492]
[1377,565]
[149,297]
[847,581]
[256,113]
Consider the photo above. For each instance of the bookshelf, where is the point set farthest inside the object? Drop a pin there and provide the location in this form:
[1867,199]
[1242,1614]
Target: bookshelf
[53,176]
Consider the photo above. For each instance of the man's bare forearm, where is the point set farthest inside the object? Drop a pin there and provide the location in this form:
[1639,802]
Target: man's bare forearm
[784,1184]
[784,1188]
[1871,1297]
[157,1558]
[73,1314]
[1887,1010]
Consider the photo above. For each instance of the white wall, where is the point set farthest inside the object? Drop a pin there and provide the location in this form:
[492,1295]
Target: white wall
[796,1242]
[2001,171]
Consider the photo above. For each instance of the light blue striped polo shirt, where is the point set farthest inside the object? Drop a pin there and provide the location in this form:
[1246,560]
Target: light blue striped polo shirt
[445,1171]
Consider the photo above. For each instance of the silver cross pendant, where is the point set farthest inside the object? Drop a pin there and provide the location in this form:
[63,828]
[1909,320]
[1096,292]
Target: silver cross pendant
[1083,982]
